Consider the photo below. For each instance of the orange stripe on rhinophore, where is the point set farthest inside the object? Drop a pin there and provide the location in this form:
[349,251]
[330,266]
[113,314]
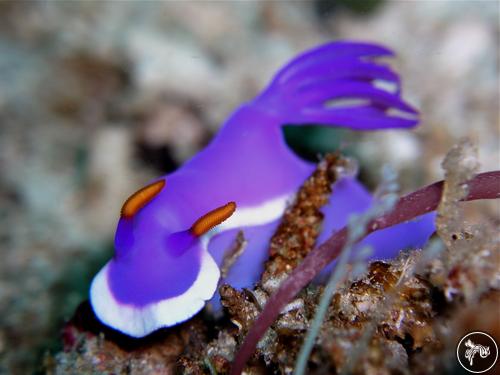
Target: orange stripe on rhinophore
[213,218]
[140,198]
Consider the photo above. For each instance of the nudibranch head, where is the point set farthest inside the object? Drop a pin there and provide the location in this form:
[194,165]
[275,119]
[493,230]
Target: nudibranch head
[157,277]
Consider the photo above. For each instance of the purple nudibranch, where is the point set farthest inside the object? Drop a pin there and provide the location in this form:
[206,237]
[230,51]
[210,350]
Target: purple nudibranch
[172,234]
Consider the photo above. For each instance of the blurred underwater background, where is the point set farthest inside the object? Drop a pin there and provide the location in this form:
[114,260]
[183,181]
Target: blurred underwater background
[97,98]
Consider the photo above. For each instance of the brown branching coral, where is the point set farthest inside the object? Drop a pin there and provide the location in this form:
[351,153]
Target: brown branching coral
[293,240]
[301,223]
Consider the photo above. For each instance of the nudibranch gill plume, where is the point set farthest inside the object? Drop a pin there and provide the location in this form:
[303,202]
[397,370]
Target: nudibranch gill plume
[172,234]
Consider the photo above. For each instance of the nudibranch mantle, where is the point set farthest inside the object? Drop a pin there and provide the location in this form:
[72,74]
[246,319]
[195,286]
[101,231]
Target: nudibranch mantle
[172,234]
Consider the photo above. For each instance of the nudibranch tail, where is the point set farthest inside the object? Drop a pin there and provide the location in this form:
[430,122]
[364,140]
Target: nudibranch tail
[212,218]
[140,198]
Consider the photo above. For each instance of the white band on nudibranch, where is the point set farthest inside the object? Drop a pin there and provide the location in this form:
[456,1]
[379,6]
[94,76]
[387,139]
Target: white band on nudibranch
[141,321]
[262,214]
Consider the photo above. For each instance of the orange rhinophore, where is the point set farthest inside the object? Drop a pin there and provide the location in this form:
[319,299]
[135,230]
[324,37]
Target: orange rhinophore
[140,198]
[212,218]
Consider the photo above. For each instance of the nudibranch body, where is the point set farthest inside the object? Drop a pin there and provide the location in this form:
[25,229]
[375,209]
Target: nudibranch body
[172,234]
